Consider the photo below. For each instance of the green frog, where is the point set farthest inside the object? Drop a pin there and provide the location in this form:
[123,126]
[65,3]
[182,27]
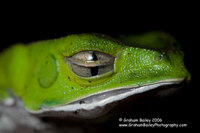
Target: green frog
[82,75]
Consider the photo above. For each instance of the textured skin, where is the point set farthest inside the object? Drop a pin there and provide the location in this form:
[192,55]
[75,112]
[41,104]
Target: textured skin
[40,76]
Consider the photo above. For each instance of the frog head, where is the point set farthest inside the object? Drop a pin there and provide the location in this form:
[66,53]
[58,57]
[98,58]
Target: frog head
[87,73]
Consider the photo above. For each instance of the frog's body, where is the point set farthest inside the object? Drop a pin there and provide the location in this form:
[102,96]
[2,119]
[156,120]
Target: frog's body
[80,73]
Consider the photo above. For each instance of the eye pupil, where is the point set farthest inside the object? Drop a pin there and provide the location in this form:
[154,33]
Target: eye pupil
[94,70]
[94,56]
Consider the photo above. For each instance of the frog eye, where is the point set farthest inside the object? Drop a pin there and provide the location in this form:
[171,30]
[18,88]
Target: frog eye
[90,63]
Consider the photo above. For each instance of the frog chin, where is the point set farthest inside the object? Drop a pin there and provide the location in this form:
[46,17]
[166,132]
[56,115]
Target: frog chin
[96,105]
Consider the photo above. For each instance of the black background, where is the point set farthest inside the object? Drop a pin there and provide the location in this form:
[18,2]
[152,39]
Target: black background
[30,24]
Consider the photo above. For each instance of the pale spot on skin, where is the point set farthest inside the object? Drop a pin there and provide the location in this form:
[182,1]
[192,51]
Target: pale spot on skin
[47,73]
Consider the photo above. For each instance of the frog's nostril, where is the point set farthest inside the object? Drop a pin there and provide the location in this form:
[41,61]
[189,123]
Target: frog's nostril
[158,57]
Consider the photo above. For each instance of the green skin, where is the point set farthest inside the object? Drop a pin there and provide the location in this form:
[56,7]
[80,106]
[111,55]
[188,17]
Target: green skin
[39,75]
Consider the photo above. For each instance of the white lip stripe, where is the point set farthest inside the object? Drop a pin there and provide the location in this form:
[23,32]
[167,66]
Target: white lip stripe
[90,106]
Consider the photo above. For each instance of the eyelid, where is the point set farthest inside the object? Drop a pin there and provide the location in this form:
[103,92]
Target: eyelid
[89,63]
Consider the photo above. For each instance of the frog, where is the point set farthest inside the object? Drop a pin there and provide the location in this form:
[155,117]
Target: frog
[85,75]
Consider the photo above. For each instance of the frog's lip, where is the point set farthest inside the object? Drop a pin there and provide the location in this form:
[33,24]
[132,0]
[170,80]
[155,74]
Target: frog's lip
[96,105]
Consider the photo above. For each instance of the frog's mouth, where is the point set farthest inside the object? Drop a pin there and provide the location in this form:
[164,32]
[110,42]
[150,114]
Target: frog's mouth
[96,105]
